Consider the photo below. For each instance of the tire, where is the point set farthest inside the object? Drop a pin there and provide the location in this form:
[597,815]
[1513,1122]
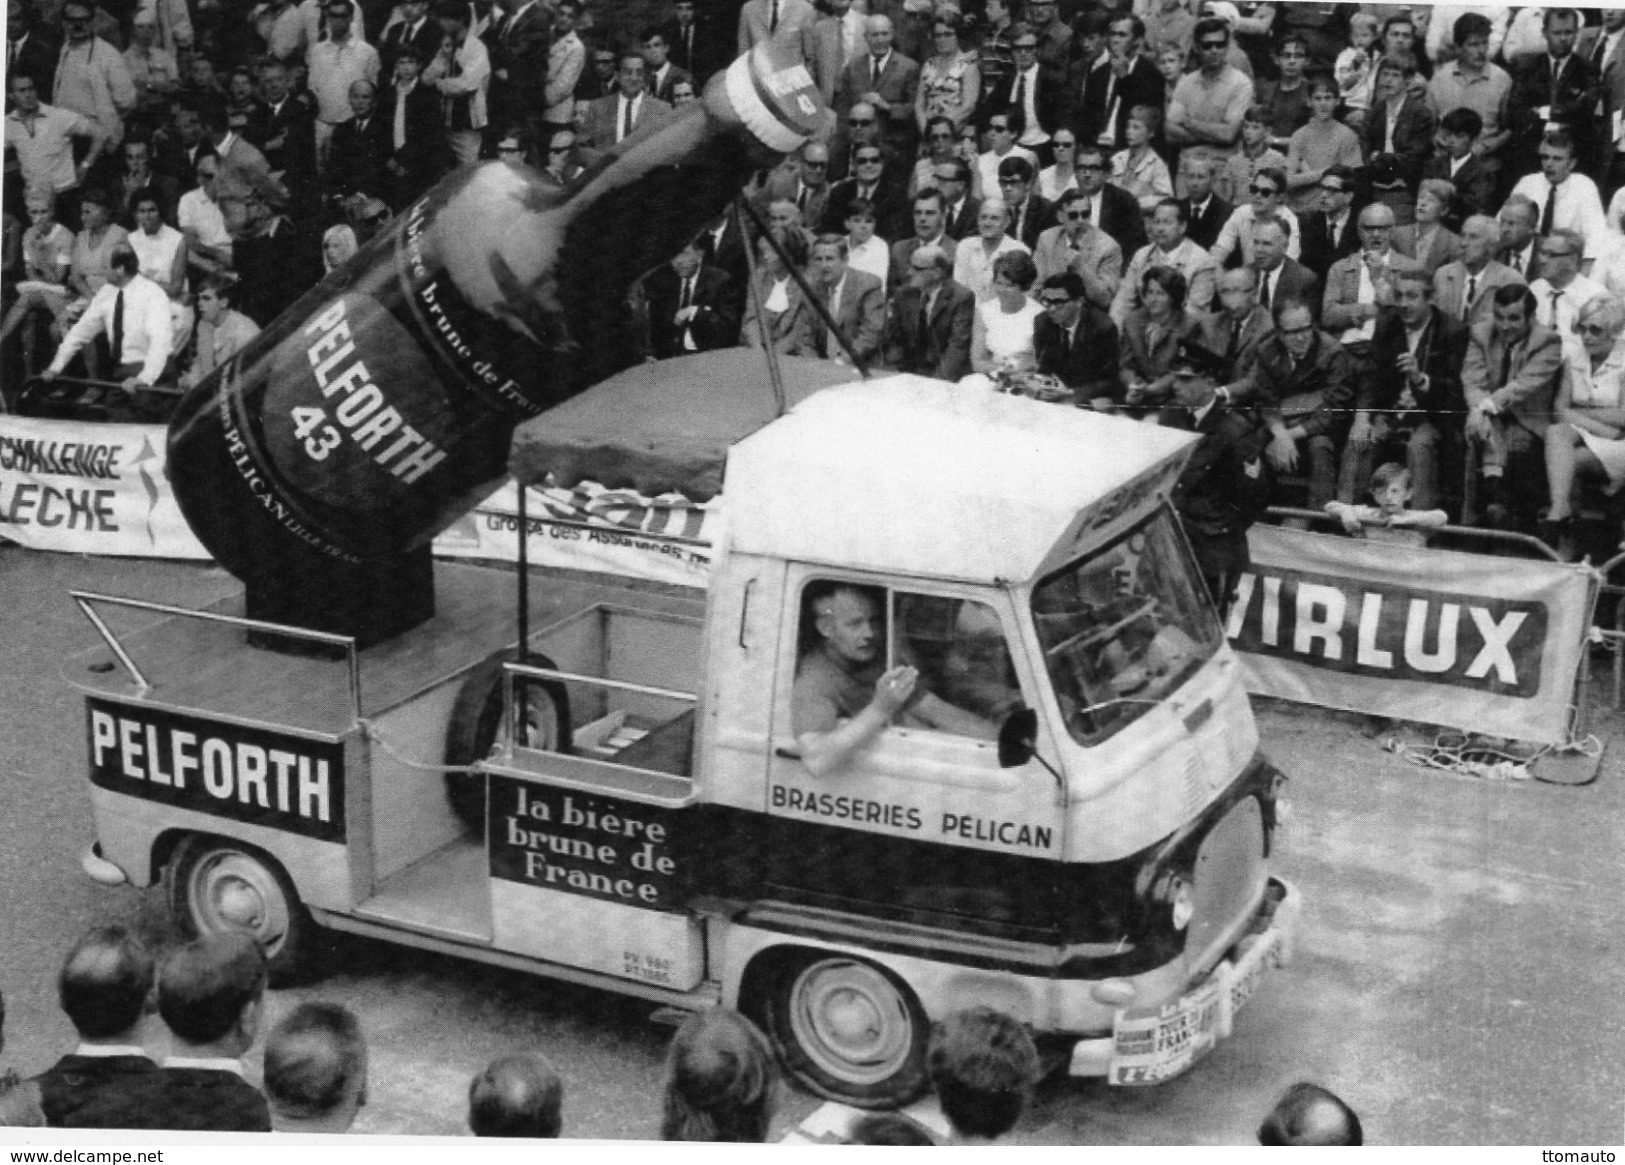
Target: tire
[846,1029]
[216,885]
[476,717]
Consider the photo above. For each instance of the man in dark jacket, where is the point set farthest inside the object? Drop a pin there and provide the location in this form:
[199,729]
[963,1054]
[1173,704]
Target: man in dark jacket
[1223,487]
[1075,342]
[1304,385]
[692,308]
[928,329]
[104,989]
[360,147]
[1412,403]
[419,153]
[211,994]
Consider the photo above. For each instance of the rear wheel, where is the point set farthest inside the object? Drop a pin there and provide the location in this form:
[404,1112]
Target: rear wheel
[216,886]
[476,724]
[847,1029]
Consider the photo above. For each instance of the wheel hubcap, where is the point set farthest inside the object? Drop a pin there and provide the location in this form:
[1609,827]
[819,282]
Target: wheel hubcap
[231,891]
[851,1021]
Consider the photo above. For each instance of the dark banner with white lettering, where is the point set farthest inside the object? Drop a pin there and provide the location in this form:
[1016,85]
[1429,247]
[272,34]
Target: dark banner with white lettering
[1432,636]
[580,843]
[245,774]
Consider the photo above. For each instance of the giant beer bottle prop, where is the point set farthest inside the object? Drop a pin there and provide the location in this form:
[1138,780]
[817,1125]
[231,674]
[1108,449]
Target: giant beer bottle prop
[319,463]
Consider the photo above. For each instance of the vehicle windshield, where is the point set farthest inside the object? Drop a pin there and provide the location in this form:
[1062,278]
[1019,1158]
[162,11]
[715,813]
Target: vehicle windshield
[1123,627]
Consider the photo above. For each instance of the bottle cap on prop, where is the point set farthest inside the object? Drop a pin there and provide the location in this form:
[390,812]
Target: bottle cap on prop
[772,92]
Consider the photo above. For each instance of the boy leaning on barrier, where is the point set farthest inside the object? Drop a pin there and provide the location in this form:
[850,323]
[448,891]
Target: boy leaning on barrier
[1391,519]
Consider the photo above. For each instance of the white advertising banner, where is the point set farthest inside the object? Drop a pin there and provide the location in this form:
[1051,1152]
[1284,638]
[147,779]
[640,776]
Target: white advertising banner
[1436,636]
[89,489]
[592,528]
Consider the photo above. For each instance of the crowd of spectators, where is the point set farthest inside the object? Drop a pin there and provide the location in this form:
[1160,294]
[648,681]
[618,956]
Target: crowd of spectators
[1431,198]
[721,1080]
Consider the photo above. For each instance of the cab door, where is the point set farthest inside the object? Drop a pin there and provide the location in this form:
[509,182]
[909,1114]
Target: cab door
[922,824]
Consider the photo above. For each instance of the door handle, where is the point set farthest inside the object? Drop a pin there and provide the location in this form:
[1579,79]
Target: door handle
[786,754]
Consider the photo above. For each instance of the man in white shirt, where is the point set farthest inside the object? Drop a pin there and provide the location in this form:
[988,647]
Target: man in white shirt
[461,72]
[335,64]
[1168,248]
[43,137]
[1561,291]
[1358,286]
[203,221]
[134,313]
[565,60]
[1565,199]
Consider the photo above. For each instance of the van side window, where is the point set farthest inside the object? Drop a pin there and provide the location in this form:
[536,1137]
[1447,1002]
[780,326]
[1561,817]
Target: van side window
[850,635]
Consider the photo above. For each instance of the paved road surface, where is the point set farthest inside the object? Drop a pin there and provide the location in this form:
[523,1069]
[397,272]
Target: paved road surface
[1456,976]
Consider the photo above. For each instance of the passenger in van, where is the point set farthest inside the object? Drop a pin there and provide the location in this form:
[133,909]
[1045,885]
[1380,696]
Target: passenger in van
[843,699]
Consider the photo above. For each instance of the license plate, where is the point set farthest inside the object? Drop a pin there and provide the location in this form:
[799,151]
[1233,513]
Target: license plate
[1151,1048]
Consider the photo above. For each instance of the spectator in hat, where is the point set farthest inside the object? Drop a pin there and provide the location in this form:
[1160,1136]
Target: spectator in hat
[1308,1114]
[1223,487]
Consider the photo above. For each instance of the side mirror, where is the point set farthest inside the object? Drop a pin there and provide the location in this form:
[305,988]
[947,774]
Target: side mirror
[1018,738]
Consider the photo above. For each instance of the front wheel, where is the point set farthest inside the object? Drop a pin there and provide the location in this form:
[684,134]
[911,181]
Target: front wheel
[848,1030]
[216,885]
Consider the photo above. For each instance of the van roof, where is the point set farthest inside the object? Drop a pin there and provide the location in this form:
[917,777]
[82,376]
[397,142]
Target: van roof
[904,474]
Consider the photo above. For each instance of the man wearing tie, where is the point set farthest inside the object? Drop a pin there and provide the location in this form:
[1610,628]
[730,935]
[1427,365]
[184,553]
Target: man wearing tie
[886,80]
[1079,246]
[692,308]
[133,312]
[761,20]
[611,120]
[1557,88]
[832,44]
[808,189]
[1608,57]
[28,52]
[520,48]
[1520,246]
[1566,199]
[853,299]
[1462,289]
[1074,342]
[929,327]
[1359,286]
[415,29]
[1237,329]
[1561,291]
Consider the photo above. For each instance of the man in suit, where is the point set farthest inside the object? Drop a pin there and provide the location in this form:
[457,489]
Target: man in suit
[1029,214]
[663,75]
[1557,88]
[611,120]
[1169,247]
[361,147]
[211,994]
[1607,55]
[519,47]
[1236,330]
[928,232]
[104,988]
[1520,239]
[761,20]
[286,131]
[877,182]
[1455,161]
[928,329]
[30,51]
[808,187]
[953,178]
[832,44]
[1208,212]
[1279,277]
[415,29]
[1329,234]
[692,308]
[1223,487]
[1110,90]
[419,153]
[1400,122]
[1462,290]
[1411,402]
[723,247]
[1509,379]
[1077,245]
[1110,208]
[1075,342]
[316,1070]
[853,299]
[1304,383]
[1360,285]
[886,80]
[696,42]
[1033,97]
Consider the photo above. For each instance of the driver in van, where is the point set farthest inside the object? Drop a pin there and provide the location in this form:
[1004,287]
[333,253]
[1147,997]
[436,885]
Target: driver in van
[842,698]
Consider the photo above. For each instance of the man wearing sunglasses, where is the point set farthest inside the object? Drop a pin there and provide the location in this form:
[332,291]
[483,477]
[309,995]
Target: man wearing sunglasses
[1207,106]
[808,187]
[1561,291]
[1079,246]
[876,182]
[1075,342]
[929,325]
[1032,102]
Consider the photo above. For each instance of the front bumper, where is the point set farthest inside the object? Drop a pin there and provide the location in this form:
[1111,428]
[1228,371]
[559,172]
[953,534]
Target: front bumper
[1151,1044]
